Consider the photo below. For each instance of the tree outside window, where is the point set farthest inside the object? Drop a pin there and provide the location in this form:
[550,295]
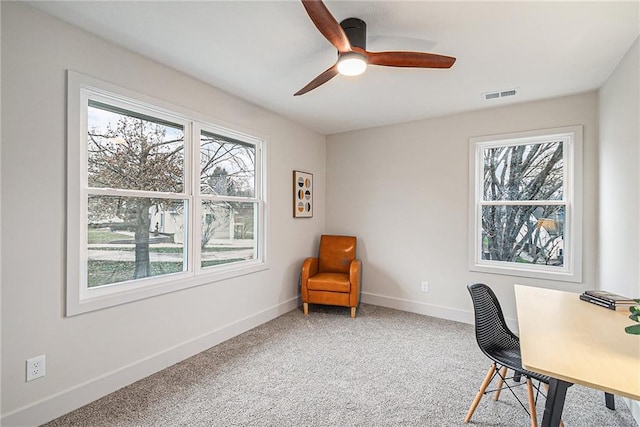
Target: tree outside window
[524,219]
[529,233]
[159,198]
[132,152]
[138,204]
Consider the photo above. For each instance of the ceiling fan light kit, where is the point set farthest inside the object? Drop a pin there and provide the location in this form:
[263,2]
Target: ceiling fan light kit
[352,64]
[350,38]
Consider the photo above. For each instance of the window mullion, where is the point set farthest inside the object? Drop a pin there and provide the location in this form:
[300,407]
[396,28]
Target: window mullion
[522,202]
[196,210]
[216,198]
[134,193]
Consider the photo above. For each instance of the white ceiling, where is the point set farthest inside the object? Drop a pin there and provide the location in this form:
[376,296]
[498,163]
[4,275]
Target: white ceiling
[264,51]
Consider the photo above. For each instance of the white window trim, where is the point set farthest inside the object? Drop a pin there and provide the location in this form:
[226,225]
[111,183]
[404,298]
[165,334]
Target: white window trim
[79,298]
[572,270]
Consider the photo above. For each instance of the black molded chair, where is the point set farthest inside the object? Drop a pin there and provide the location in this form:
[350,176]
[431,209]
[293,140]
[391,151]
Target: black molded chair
[502,346]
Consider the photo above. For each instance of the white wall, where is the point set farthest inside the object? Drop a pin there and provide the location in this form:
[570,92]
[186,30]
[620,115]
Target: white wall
[92,354]
[404,191]
[0,217]
[619,184]
[619,162]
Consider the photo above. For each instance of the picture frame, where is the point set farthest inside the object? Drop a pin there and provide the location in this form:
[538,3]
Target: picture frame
[302,194]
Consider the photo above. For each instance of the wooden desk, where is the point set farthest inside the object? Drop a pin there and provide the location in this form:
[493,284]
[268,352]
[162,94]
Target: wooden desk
[573,341]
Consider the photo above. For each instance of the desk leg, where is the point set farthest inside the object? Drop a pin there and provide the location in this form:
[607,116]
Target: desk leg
[555,403]
[610,401]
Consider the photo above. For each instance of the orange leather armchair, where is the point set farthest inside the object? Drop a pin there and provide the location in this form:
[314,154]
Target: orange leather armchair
[333,278]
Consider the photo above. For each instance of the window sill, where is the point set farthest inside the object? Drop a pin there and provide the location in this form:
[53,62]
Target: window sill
[529,271]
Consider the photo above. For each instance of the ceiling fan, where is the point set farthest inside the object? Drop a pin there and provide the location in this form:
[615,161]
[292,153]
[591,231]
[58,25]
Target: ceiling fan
[350,38]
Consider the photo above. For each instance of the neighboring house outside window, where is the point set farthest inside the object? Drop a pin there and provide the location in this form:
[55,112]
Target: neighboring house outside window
[159,199]
[525,207]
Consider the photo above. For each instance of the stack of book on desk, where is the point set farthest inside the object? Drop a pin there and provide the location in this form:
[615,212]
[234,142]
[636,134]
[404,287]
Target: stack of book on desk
[608,300]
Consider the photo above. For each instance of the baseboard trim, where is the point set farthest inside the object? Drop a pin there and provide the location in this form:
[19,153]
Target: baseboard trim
[419,307]
[426,309]
[75,397]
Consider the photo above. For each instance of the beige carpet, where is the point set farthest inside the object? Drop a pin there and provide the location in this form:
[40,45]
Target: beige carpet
[384,368]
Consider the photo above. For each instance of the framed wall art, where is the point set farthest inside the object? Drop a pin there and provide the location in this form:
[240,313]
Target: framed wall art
[302,194]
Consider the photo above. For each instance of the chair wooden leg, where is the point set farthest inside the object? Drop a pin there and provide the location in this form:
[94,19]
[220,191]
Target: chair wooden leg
[503,374]
[532,404]
[483,387]
[353,312]
[305,308]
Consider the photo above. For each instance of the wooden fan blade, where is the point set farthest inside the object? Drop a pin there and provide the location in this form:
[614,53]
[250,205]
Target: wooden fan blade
[327,24]
[326,75]
[410,59]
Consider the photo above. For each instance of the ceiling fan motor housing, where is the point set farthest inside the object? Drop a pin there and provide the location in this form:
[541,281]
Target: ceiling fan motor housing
[356,30]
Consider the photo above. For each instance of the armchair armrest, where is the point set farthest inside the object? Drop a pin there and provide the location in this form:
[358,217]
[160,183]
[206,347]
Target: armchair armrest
[355,277]
[309,269]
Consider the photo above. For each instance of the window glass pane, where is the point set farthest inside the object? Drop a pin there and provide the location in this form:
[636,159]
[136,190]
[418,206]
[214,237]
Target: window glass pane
[524,172]
[227,166]
[524,234]
[131,151]
[228,232]
[132,238]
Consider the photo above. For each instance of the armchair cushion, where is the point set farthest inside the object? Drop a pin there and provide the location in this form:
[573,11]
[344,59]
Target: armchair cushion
[333,282]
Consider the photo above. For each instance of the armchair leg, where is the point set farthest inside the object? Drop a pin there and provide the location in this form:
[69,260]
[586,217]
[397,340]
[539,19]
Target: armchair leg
[483,387]
[305,308]
[353,312]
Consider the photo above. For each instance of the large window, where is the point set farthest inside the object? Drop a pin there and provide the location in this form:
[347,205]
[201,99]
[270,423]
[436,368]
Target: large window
[526,204]
[159,199]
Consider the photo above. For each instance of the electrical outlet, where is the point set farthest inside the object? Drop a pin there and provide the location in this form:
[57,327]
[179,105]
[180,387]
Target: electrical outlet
[36,367]
[425,286]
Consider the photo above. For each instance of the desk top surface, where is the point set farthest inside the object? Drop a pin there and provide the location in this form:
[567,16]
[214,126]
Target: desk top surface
[576,341]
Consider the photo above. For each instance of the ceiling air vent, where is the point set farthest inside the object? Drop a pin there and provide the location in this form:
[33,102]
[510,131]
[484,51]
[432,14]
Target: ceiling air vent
[499,94]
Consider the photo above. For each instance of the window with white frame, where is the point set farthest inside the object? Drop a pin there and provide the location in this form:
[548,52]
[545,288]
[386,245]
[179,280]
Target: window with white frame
[525,204]
[159,198]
